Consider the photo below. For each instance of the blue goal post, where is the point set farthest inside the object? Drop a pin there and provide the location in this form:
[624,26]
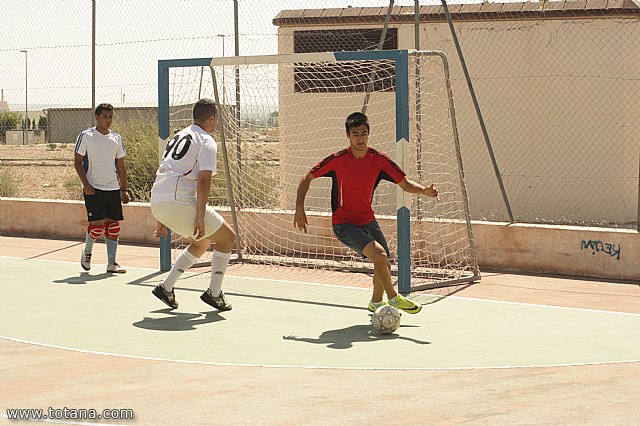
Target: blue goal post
[401,61]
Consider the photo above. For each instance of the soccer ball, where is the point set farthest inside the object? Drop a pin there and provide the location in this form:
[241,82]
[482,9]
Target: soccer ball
[386,319]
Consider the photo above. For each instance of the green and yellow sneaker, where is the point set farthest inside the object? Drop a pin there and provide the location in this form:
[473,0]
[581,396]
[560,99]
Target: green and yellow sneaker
[375,305]
[407,305]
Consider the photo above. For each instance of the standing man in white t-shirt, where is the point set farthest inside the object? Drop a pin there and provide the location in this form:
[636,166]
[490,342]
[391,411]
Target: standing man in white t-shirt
[179,201]
[99,162]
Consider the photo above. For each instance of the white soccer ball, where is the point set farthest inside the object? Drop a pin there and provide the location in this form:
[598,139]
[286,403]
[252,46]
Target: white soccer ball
[386,319]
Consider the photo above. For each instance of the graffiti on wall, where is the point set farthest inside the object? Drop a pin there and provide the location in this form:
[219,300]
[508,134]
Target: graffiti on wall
[597,246]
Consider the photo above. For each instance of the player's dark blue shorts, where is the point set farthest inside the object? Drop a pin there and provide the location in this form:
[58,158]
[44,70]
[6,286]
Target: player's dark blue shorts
[356,237]
[103,204]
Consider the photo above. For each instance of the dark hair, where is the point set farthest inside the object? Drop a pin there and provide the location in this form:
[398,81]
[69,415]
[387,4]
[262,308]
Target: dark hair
[356,119]
[203,109]
[102,108]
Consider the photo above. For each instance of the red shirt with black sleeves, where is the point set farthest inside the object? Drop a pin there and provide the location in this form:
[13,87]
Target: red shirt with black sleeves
[354,180]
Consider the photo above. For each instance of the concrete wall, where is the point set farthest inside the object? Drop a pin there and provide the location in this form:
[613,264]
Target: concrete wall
[68,219]
[65,124]
[576,251]
[564,136]
[566,141]
[17,137]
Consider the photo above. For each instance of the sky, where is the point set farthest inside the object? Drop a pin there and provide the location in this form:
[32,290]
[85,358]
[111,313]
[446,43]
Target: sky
[131,36]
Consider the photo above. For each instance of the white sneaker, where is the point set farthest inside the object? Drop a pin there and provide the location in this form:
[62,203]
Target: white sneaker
[85,260]
[116,269]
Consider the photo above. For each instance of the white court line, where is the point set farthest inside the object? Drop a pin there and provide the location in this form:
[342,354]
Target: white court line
[311,367]
[367,289]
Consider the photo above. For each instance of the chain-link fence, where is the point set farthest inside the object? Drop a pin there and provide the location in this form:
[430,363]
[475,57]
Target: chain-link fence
[557,84]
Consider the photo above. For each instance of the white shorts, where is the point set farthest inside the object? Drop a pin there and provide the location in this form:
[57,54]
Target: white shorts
[180,215]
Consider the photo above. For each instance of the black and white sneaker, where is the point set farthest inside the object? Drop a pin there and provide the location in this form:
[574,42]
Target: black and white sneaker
[85,260]
[116,269]
[168,297]
[220,303]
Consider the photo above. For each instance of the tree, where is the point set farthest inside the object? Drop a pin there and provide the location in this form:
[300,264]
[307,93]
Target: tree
[42,123]
[8,121]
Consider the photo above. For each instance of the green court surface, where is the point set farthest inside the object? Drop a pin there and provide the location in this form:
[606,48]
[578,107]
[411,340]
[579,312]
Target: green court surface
[284,323]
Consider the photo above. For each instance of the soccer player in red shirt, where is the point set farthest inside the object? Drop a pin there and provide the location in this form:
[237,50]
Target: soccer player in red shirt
[356,172]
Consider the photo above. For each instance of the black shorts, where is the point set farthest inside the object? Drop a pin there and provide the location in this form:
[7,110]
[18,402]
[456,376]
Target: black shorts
[357,237]
[103,204]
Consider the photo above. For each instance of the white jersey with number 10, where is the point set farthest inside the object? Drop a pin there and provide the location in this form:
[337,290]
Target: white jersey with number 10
[187,153]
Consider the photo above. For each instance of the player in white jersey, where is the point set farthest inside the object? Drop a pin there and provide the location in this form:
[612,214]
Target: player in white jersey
[179,201]
[99,162]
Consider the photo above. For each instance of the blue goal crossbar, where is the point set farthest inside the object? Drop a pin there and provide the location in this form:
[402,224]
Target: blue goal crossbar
[401,60]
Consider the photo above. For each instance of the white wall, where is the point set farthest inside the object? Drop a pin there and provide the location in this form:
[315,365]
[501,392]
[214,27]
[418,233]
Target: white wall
[17,137]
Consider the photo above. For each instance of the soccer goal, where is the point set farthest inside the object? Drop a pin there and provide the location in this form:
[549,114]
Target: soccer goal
[282,114]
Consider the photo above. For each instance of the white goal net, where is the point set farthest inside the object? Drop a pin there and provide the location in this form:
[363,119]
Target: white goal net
[281,115]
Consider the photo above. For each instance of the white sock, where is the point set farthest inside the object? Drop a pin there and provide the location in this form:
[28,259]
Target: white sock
[88,243]
[219,263]
[183,263]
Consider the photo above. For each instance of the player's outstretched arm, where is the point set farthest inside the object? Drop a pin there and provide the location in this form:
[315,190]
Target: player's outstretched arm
[300,217]
[415,188]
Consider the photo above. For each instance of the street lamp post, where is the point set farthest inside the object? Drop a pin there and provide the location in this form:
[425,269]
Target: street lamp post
[223,73]
[26,98]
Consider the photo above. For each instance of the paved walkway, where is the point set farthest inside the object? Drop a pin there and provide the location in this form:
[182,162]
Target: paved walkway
[50,301]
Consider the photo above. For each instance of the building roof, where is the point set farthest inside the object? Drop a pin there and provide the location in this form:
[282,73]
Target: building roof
[564,9]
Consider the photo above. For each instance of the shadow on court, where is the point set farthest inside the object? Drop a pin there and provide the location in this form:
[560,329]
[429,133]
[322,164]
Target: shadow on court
[432,298]
[344,338]
[294,300]
[146,279]
[84,278]
[177,321]
[54,251]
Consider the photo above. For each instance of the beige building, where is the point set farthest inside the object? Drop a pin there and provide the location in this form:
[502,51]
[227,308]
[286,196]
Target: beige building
[558,88]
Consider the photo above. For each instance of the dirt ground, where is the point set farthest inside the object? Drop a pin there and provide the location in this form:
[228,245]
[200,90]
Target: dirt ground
[46,171]
[41,171]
